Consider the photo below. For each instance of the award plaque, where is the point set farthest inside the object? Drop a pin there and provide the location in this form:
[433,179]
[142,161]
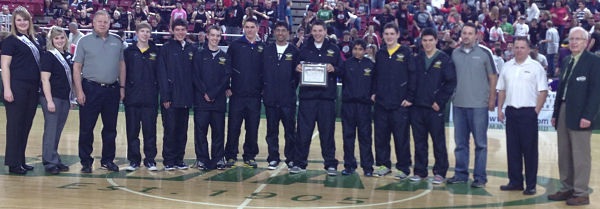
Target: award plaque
[314,75]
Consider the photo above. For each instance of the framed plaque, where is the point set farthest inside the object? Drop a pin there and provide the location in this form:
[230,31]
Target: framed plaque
[314,75]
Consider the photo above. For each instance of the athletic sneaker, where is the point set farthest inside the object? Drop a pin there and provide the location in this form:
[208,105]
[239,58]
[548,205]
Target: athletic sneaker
[296,169]
[132,167]
[250,164]
[331,171]
[151,167]
[273,165]
[369,174]
[416,178]
[221,165]
[346,172]
[169,167]
[437,179]
[455,180]
[401,175]
[478,184]
[181,166]
[290,165]
[382,171]
[110,166]
[230,163]
[200,165]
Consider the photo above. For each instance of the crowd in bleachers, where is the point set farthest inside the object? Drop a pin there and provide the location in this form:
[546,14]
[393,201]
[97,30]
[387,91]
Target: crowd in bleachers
[499,21]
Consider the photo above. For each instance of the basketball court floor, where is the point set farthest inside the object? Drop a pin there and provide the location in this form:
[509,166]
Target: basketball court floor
[261,188]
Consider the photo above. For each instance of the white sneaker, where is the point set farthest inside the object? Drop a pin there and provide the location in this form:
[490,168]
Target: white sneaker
[131,167]
[273,165]
[415,178]
[437,179]
[401,175]
[331,171]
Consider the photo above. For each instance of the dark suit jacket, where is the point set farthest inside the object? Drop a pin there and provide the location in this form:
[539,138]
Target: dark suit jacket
[583,93]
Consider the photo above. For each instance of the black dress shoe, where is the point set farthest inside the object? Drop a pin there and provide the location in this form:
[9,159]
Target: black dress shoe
[62,167]
[86,169]
[510,187]
[17,170]
[529,191]
[53,170]
[27,167]
[110,166]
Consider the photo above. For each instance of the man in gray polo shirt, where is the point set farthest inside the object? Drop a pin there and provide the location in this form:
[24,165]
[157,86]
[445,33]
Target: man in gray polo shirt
[99,78]
[475,94]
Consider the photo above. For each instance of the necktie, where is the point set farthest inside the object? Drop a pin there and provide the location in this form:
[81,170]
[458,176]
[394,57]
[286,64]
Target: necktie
[566,77]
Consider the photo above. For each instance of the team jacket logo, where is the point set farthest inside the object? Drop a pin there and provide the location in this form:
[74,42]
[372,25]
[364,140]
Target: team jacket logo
[330,53]
[367,72]
[437,64]
[222,60]
[191,54]
[400,57]
[152,56]
[260,48]
[288,57]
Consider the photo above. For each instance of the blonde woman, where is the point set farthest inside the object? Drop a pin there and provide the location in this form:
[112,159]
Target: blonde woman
[21,78]
[57,97]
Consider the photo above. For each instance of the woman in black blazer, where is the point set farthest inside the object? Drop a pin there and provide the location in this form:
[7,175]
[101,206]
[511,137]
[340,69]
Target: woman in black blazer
[21,80]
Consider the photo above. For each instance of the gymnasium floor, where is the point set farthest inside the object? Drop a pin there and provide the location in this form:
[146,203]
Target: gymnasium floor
[260,188]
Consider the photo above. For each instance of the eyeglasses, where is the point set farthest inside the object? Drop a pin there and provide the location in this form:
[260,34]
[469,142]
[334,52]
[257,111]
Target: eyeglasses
[577,39]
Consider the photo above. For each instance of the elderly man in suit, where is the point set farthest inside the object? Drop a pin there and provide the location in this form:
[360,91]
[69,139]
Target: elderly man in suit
[575,115]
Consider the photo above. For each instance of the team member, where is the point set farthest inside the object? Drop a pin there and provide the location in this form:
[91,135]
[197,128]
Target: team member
[245,94]
[57,96]
[175,68]
[357,73]
[523,87]
[211,78]
[474,96]
[99,78]
[436,80]
[20,78]
[317,104]
[280,82]
[575,111]
[395,84]
[141,93]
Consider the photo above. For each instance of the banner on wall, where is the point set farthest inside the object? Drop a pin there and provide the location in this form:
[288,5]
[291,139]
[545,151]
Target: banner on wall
[544,117]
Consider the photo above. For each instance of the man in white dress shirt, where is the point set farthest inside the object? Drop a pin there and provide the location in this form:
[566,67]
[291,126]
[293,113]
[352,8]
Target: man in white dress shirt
[523,87]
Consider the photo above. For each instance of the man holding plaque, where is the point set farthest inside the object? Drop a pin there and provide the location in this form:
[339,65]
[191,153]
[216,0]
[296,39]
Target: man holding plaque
[320,59]
[245,94]
[280,82]
[395,85]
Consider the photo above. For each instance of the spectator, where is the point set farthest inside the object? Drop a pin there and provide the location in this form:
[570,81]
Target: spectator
[342,19]
[552,38]
[498,60]
[138,12]
[560,15]
[345,45]
[69,16]
[521,28]
[325,14]
[594,45]
[233,18]
[200,19]
[60,22]
[589,24]
[118,22]
[532,11]
[508,53]
[5,18]
[85,5]
[423,18]
[534,32]
[535,55]
[74,34]
[165,8]
[84,20]
[201,43]
[496,33]
[308,20]
[218,14]
[299,39]
[582,12]
[385,17]
[507,28]
[189,10]
[370,52]
[178,13]
[60,11]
